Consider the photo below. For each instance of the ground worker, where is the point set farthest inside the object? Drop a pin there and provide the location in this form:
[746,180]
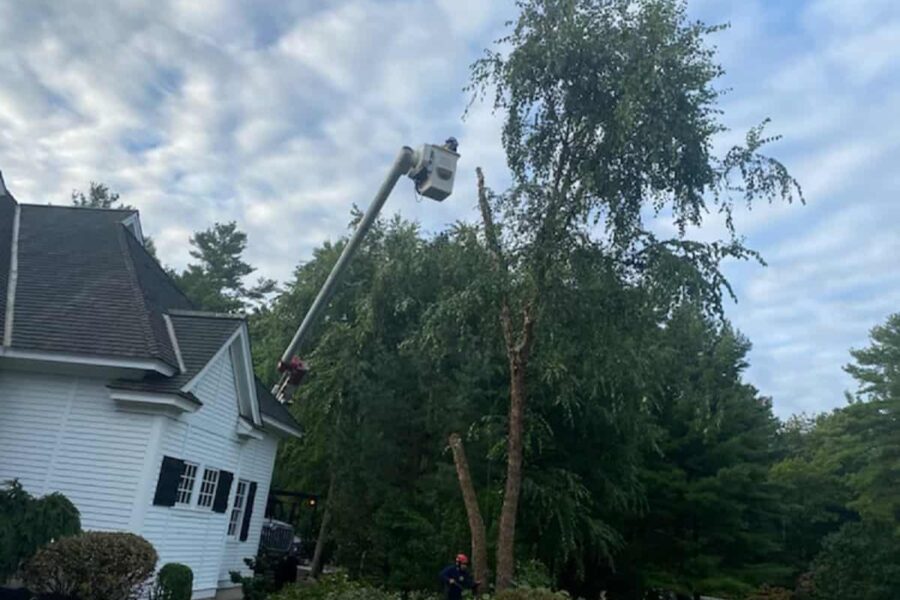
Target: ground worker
[457,578]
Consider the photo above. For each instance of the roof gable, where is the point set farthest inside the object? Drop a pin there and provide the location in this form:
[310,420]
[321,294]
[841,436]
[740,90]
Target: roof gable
[86,286]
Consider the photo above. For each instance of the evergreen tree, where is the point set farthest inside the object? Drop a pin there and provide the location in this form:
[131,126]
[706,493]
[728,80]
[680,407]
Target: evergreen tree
[216,281]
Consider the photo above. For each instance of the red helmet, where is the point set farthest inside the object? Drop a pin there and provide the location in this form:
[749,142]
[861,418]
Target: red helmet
[462,559]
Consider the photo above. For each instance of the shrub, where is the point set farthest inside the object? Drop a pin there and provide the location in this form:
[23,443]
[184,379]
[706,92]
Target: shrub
[261,583]
[92,566]
[860,561]
[531,594]
[27,523]
[338,586]
[771,593]
[173,582]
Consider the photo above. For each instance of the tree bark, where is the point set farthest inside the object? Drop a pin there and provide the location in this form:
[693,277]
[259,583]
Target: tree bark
[507,535]
[315,569]
[470,498]
[518,348]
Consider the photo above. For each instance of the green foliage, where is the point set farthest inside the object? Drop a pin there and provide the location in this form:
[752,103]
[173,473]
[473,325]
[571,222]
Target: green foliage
[767,592]
[260,584]
[525,593]
[173,582]
[99,196]
[339,586]
[92,566]
[861,561]
[216,281]
[27,523]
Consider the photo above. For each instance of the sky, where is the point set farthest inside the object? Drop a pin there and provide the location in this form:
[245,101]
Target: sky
[283,115]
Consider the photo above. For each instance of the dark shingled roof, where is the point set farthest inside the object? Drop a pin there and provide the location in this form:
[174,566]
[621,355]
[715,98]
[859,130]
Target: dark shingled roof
[269,405]
[79,289]
[87,286]
[199,338]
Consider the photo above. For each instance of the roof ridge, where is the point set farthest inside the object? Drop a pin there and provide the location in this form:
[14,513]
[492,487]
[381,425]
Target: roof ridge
[73,207]
[150,340]
[159,267]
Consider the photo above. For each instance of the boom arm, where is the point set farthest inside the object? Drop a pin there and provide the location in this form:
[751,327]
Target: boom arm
[433,168]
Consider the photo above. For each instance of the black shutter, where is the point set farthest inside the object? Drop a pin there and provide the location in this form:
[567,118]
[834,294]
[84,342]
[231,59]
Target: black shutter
[248,512]
[167,484]
[220,502]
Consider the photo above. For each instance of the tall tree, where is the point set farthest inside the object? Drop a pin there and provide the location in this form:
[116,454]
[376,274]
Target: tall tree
[216,281]
[609,114]
[712,519]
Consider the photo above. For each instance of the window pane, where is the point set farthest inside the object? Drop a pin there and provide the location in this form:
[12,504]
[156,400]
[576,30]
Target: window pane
[237,510]
[186,484]
[208,488]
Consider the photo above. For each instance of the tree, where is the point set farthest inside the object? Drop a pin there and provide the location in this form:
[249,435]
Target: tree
[100,196]
[216,281]
[861,561]
[712,520]
[609,113]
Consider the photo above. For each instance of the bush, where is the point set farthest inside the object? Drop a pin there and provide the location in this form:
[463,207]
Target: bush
[27,523]
[860,561]
[771,593]
[92,566]
[531,594]
[173,582]
[340,587]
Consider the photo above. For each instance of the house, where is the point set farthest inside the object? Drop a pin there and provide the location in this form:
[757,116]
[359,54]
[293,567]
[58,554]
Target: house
[116,392]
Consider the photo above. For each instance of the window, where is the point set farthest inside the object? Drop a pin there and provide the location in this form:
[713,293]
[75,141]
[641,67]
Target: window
[208,488]
[186,484]
[237,511]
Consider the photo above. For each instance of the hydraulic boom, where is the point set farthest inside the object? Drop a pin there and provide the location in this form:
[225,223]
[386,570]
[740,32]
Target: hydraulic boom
[433,169]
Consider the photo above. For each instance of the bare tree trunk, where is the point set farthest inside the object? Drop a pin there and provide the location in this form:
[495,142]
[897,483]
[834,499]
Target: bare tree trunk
[518,348]
[507,534]
[315,569]
[476,523]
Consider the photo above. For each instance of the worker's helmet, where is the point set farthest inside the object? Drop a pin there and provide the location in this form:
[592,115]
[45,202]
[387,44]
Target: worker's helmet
[462,559]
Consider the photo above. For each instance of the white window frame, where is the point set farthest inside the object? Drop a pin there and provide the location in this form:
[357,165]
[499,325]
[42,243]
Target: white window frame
[191,469]
[206,497]
[236,516]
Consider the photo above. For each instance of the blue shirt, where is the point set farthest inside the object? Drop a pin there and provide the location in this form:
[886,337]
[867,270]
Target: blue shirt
[463,580]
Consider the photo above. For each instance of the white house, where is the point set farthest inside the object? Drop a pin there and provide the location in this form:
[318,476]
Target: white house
[114,391]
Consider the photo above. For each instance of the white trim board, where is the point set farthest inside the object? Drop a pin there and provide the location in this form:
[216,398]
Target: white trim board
[13,279]
[150,399]
[174,339]
[81,359]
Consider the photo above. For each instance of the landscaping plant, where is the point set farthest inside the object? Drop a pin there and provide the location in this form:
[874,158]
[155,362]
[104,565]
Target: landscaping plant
[92,566]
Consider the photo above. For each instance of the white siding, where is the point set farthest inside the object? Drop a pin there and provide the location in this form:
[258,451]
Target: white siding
[62,433]
[197,537]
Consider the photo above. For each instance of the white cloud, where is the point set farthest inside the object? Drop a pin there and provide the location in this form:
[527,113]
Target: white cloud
[282,115]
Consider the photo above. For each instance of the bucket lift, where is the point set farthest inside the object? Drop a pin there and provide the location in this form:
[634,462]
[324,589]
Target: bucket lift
[433,170]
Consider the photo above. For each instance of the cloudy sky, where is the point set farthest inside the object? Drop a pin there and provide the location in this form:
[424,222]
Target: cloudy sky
[281,115]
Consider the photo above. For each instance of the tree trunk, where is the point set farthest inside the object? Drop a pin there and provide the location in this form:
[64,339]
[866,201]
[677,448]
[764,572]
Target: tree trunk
[315,569]
[476,523]
[507,535]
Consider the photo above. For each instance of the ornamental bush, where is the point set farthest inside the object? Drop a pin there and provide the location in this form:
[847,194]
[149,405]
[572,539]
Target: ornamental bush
[92,566]
[27,523]
[173,582]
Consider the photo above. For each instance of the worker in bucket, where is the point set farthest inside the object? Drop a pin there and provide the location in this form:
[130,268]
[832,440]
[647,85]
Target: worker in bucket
[457,578]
